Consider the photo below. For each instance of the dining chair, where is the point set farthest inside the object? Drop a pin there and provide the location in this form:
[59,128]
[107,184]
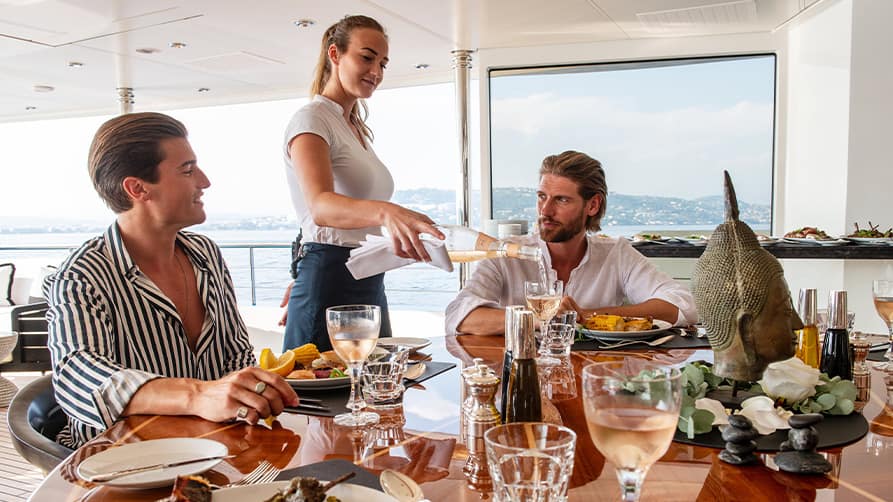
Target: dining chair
[34,419]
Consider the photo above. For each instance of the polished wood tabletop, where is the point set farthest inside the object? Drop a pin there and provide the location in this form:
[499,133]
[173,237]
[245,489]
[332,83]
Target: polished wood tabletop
[422,440]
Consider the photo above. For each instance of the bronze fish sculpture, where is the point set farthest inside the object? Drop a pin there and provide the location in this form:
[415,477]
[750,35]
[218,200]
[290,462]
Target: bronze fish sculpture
[743,299]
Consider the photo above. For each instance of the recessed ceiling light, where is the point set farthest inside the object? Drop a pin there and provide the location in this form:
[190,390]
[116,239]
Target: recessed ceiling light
[422,66]
[204,89]
[29,108]
[75,64]
[177,45]
[304,23]
[43,88]
[148,50]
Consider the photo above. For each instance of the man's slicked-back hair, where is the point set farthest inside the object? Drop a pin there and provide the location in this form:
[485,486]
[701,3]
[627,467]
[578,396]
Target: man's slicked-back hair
[587,173]
[129,145]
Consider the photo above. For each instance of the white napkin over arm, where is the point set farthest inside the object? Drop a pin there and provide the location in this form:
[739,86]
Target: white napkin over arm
[376,255]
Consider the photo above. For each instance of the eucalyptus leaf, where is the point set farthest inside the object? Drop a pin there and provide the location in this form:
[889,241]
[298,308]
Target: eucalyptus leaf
[827,401]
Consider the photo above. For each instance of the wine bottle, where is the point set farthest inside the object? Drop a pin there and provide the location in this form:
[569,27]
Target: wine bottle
[836,356]
[466,245]
[523,402]
[510,334]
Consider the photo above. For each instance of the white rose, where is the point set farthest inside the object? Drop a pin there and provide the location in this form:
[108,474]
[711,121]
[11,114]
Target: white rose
[791,380]
[763,414]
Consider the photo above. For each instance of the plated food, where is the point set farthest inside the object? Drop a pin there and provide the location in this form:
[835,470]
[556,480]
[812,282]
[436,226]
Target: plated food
[808,233]
[327,365]
[606,322]
[299,489]
[872,232]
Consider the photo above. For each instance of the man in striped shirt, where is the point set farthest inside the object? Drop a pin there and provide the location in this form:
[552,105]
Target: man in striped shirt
[143,319]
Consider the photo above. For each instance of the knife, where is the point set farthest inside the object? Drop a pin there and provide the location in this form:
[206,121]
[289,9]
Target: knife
[108,476]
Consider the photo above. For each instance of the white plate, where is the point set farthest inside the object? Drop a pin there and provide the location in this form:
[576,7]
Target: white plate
[319,383]
[153,451]
[694,241]
[414,344]
[870,240]
[660,326]
[820,242]
[344,491]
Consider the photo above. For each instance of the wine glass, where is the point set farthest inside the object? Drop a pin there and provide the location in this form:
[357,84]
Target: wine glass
[882,291]
[543,299]
[631,409]
[353,331]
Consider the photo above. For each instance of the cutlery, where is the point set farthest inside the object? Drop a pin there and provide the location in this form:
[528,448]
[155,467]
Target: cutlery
[263,473]
[102,478]
[318,406]
[653,343]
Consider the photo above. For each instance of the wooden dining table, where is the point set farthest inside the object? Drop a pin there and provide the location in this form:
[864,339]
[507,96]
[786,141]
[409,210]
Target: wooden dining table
[422,439]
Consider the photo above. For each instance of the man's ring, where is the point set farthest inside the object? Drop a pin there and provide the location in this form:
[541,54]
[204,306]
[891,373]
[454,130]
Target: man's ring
[260,387]
[242,412]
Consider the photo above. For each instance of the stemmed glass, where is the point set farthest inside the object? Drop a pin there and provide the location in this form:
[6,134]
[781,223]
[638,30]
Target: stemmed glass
[353,331]
[631,409]
[882,291]
[543,299]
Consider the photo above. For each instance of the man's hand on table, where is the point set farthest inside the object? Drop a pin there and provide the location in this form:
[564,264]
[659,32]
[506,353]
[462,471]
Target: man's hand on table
[236,396]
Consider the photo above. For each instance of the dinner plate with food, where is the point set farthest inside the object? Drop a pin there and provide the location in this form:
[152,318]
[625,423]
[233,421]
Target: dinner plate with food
[327,371]
[871,235]
[198,489]
[615,327]
[645,238]
[766,240]
[693,239]
[812,235]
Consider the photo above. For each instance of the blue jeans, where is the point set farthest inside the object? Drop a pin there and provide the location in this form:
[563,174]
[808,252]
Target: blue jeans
[324,281]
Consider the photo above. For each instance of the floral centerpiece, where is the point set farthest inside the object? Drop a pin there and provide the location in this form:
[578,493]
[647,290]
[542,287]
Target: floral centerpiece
[787,387]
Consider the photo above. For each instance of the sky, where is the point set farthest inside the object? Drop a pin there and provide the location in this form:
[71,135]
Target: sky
[238,146]
[658,131]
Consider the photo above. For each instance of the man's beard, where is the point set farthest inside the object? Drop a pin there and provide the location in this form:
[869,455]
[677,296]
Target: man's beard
[562,233]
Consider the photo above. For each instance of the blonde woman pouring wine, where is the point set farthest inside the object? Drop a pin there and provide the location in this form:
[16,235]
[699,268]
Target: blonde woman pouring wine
[339,187]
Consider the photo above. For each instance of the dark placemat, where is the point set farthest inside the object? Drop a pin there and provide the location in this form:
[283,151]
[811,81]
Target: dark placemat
[680,342]
[877,354]
[335,400]
[331,469]
[834,430]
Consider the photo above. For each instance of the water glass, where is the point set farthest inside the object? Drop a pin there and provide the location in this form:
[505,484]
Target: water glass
[565,317]
[558,340]
[560,381]
[383,380]
[530,461]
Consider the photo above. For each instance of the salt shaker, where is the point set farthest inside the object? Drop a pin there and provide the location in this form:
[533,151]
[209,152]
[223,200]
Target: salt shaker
[861,371]
[480,414]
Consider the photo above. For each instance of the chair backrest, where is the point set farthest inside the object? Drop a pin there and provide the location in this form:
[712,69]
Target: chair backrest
[31,352]
[34,419]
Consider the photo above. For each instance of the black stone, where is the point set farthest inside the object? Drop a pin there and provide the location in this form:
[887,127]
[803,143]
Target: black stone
[733,435]
[785,446]
[740,422]
[741,448]
[801,462]
[804,420]
[731,458]
[803,439]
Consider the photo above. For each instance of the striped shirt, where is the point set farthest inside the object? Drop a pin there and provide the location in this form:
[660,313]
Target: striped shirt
[111,330]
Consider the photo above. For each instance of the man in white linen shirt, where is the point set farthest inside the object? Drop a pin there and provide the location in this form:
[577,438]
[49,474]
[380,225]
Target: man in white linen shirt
[598,272]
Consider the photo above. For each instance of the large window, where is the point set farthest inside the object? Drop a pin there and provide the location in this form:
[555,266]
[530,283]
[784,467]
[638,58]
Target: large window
[663,130]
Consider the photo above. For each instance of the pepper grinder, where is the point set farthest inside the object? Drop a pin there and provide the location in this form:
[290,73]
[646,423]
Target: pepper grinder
[861,371]
[480,414]
[836,357]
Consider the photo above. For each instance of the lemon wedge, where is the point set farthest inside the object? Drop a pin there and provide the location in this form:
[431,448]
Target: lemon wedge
[284,364]
[267,359]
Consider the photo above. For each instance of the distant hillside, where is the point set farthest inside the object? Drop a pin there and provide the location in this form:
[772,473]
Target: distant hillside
[440,205]
[520,203]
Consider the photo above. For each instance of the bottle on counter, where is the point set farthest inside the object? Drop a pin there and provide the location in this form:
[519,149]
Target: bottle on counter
[466,245]
[837,359]
[522,401]
[808,337]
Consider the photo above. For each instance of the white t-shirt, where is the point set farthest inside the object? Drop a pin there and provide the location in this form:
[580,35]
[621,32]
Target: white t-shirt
[357,171]
[610,271]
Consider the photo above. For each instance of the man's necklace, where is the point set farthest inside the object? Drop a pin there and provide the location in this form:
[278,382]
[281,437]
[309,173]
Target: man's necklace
[185,292]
